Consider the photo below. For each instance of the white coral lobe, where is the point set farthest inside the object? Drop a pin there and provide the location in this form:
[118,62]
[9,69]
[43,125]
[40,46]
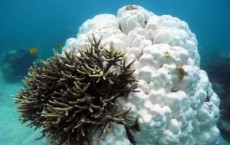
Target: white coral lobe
[171,105]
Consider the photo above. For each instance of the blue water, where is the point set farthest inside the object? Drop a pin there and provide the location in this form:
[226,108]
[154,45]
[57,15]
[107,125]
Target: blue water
[44,23]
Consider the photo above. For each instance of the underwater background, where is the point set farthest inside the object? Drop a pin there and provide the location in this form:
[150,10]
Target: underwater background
[39,26]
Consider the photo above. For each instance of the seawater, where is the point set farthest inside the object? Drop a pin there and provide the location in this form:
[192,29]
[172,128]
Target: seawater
[44,24]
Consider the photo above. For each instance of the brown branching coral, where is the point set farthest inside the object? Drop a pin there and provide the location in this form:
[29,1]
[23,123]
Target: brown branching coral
[74,95]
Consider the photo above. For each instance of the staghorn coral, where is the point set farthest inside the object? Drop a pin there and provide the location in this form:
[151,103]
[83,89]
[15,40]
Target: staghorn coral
[74,95]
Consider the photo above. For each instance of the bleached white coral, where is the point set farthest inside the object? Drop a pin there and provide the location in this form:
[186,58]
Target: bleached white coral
[175,104]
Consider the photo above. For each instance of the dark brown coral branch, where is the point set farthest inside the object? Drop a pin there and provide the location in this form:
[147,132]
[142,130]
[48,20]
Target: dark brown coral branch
[74,95]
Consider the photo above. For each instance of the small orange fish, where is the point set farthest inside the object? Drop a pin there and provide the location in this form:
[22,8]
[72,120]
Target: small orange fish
[33,51]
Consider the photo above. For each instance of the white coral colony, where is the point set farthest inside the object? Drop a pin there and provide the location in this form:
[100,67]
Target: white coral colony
[175,104]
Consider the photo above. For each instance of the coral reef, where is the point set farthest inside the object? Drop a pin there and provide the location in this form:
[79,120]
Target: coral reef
[73,96]
[218,71]
[15,65]
[176,104]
